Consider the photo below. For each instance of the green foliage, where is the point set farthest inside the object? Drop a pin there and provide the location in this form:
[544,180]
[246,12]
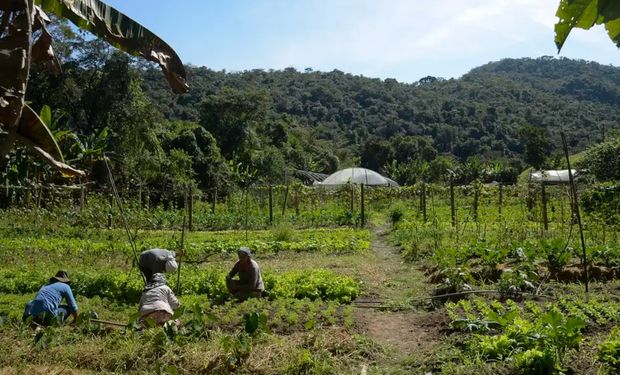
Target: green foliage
[198,246]
[584,14]
[602,200]
[253,322]
[534,362]
[315,284]
[273,120]
[535,338]
[513,282]
[303,361]
[536,146]
[237,348]
[282,232]
[210,283]
[603,161]
[609,350]
[557,252]
[396,213]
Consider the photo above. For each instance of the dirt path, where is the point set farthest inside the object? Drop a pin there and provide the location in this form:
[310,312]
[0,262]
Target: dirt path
[388,278]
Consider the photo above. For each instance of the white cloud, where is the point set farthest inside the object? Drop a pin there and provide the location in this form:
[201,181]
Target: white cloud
[388,32]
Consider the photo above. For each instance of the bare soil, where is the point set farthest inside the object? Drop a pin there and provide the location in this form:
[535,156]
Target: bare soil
[402,332]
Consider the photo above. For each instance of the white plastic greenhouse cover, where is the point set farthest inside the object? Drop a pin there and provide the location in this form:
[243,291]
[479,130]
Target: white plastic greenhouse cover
[553,176]
[357,176]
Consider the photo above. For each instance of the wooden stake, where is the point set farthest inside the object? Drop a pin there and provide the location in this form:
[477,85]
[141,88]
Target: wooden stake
[178,288]
[246,214]
[363,207]
[270,204]
[109,323]
[352,205]
[544,207]
[285,200]
[190,210]
[214,201]
[423,201]
[452,207]
[584,259]
[501,198]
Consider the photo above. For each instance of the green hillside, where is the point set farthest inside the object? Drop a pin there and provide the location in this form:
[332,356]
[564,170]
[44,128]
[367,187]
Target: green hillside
[478,114]
[507,115]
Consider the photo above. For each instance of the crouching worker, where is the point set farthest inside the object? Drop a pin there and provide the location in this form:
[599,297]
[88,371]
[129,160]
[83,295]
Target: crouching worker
[250,283]
[157,261]
[45,309]
[158,302]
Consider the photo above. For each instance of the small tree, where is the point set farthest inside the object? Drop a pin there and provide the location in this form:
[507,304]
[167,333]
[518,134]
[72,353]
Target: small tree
[536,145]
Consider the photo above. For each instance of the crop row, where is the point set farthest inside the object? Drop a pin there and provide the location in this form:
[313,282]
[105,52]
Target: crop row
[314,284]
[477,315]
[533,337]
[281,315]
[197,245]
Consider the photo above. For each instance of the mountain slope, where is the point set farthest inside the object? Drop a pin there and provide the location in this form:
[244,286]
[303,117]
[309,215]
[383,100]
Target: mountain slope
[478,114]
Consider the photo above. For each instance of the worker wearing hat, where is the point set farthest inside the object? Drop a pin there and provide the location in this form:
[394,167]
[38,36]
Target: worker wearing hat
[157,261]
[45,308]
[250,282]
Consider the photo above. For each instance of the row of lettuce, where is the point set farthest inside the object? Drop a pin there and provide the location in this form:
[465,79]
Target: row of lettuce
[196,244]
[315,284]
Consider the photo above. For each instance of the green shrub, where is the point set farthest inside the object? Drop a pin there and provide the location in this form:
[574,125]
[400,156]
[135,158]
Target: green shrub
[603,200]
[282,232]
[603,161]
[396,213]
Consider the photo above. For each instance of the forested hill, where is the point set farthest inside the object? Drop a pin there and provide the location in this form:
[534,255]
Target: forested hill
[483,113]
[502,116]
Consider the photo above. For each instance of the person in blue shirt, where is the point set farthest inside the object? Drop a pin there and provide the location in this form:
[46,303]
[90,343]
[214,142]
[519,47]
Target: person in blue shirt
[45,308]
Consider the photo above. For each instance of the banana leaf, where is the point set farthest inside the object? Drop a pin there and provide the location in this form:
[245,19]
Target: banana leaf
[123,33]
[32,128]
[37,136]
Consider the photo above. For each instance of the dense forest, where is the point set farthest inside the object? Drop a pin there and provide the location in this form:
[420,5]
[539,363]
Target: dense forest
[254,126]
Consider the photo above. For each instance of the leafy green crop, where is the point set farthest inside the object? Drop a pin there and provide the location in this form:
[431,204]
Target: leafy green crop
[536,338]
[609,350]
[312,284]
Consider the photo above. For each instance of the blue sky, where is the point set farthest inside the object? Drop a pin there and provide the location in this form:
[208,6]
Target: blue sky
[401,39]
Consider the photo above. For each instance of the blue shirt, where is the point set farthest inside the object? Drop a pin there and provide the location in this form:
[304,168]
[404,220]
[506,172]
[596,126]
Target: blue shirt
[49,297]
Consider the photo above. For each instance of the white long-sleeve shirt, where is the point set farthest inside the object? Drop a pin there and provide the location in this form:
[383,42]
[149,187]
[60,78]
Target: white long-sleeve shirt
[158,298]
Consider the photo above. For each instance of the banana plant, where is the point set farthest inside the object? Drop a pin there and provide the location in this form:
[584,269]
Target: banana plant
[24,39]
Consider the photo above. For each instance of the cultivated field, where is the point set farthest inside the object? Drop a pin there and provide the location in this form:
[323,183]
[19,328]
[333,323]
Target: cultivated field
[477,287]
